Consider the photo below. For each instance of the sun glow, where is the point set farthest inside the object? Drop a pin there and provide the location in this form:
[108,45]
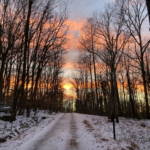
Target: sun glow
[67,86]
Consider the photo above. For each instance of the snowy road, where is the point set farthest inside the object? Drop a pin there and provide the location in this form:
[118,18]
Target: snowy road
[80,132]
[59,132]
[63,132]
[67,133]
[61,136]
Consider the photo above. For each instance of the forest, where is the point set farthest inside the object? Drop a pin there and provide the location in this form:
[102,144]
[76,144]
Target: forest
[111,76]
[112,73]
[32,48]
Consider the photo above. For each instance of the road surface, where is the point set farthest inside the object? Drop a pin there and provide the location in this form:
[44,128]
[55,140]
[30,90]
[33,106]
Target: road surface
[60,132]
[62,136]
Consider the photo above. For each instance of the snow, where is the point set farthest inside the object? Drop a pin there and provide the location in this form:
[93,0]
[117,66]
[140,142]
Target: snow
[21,124]
[53,136]
[83,132]
[99,135]
[5,107]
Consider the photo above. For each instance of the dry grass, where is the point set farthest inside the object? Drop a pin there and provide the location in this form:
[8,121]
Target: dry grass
[103,139]
[143,125]
[130,148]
[88,125]
[96,123]
[109,120]
[133,146]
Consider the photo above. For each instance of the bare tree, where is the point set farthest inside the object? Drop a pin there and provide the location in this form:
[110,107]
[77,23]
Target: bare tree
[134,17]
[88,43]
[112,40]
[32,39]
[148,7]
[10,32]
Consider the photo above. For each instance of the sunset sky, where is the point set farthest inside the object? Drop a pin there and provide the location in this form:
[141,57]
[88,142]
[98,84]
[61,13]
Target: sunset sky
[78,10]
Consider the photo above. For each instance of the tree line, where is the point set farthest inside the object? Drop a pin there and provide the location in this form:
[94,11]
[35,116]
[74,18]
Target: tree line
[32,47]
[112,74]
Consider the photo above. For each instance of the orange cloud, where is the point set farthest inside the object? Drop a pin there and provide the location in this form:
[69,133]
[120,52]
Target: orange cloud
[68,65]
[74,29]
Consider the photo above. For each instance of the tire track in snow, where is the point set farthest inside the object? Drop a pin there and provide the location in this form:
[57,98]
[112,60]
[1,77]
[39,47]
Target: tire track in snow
[72,143]
[59,136]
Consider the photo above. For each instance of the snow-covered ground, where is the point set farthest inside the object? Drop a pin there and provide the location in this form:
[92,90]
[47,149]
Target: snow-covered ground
[98,133]
[83,132]
[21,124]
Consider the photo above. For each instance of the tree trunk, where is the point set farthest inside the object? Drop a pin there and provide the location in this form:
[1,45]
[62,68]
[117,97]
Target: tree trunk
[22,98]
[130,94]
[91,83]
[148,7]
